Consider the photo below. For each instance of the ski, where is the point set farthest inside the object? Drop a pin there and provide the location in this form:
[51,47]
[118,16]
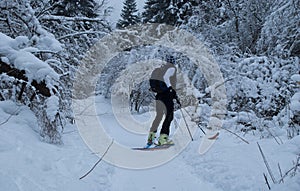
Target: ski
[208,141]
[152,148]
[215,136]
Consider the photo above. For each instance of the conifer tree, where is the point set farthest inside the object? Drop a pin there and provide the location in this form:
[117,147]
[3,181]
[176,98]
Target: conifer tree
[172,12]
[71,8]
[129,14]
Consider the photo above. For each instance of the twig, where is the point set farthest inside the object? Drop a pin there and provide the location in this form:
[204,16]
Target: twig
[266,163]
[273,136]
[293,168]
[235,135]
[266,179]
[297,163]
[14,113]
[97,161]
[280,174]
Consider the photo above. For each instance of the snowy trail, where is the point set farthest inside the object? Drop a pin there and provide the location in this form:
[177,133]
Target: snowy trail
[174,175]
[27,164]
[230,164]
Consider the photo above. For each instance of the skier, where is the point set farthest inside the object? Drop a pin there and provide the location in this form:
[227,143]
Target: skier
[165,104]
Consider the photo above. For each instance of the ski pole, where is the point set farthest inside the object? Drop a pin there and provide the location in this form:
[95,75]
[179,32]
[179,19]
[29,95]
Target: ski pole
[185,120]
[186,124]
[198,123]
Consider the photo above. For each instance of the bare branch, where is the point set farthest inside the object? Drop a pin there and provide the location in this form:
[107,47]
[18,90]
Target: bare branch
[280,173]
[14,113]
[236,135]
[293,168]
[97,161]
[267,182]
[266,163]
[45,9]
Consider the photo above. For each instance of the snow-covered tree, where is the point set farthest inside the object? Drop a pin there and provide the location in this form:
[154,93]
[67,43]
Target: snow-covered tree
[225,22]
[171,12]
[77,33]
[280,33]
[43,50]
[26,75]
[71,8]
[129,14]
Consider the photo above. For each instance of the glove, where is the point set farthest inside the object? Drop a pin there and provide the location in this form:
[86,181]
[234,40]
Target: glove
[178,102]
[173,93]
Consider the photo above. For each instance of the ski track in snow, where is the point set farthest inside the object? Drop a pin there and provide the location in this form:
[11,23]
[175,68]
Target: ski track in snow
[27,164]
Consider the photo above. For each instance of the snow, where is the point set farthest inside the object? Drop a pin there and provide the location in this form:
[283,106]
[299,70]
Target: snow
[52,106]
[296,77]
[295,102]
[27,163]
[35,69]
[231,164]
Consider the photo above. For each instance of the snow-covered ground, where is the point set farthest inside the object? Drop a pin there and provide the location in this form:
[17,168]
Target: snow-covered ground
[27,164]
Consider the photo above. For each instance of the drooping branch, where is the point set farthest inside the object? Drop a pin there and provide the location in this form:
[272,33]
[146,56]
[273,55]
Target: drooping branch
[40,87]
[63,19]
[74,19]
[79,33]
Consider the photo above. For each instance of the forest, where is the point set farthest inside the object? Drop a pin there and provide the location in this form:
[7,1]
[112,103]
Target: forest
[256,43]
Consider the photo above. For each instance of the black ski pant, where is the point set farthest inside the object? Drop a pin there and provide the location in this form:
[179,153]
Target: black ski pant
[164,106]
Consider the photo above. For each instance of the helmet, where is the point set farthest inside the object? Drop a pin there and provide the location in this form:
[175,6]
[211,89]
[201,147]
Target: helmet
[170,59]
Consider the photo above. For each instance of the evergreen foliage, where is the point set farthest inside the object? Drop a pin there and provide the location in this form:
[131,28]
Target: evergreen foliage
[72,8]
[171,12]
[129,14]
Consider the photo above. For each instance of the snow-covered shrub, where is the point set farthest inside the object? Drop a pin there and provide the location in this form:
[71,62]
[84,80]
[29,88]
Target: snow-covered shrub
[262,88]
[280,34]
[32,82]
[260,84]
[230,24]
[294,106]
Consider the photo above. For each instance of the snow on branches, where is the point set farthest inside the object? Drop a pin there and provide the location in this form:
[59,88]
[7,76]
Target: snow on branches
[31,81]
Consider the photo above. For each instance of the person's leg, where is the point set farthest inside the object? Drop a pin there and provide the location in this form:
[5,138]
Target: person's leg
[160,110]
[169,116]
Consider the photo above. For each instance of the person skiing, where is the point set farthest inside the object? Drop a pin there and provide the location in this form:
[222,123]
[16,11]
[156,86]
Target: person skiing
[164,104]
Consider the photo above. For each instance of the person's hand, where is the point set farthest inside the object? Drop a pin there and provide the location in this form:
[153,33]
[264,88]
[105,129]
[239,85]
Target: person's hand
[178,102]
[174,94]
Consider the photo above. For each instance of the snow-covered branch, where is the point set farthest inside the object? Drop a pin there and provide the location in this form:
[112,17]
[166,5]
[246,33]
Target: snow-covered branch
[74,19]
[80,33]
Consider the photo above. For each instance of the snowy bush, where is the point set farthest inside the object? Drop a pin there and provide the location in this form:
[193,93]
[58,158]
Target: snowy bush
[283,40]
[262,86]
[33,83]
[48,40]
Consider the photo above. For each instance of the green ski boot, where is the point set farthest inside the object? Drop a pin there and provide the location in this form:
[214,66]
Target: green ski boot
[164,140]
[151,138]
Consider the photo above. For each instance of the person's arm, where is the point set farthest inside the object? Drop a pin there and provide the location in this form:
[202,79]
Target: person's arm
[170,72]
